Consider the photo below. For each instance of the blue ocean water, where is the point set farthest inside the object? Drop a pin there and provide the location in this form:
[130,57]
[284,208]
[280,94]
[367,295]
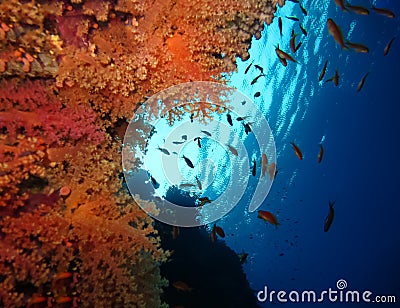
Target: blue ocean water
[359,172]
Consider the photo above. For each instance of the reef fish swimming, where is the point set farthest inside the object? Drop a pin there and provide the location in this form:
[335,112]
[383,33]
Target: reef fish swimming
[297,151]
[336,32]
[188,161]
[322,74]
[321,153]
[264,164]
[163,150]
[362,81]
[268,216]
[329,218]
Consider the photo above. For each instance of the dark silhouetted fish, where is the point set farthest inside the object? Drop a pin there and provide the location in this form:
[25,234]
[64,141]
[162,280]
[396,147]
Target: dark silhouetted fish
[303,10]
[362,81]
[198,139]
[165,151]
[254,169]
[387,47]
[322,74]
[329,218]
[188,161]
[181,286]
[334,78]
[303,29]
[255,79]
[206,133]
[259,68]
[298,46]
[280,25]
[257,94]
[154,182]
[293,42]
[219,231]
[248,67]
[229,118]
[294,18]
[247,128]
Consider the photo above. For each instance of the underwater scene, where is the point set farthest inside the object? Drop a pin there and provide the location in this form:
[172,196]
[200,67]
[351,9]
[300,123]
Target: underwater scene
[191,154]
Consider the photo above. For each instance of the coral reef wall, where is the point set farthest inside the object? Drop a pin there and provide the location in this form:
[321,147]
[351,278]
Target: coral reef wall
[71,75]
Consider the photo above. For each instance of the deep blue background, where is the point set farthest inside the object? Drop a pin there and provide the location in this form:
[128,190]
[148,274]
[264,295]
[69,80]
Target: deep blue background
[360,170]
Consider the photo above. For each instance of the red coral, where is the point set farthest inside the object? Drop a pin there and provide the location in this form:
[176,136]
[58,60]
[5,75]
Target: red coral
[30,109]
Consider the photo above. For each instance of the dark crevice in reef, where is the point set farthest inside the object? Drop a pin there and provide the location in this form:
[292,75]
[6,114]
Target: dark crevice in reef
[211,270]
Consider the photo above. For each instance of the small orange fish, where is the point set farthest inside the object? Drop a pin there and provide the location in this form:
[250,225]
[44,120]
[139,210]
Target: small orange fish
[340,3]
[181,286]
[272,171]
[284,55]
[36,300]
[357,47]
[336,32]
[268,216]
[283,61]
[264,164]
[63,299]
[384,12]
[321,153]
[63,275]
[297,151]
[358,9]
[219,231]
